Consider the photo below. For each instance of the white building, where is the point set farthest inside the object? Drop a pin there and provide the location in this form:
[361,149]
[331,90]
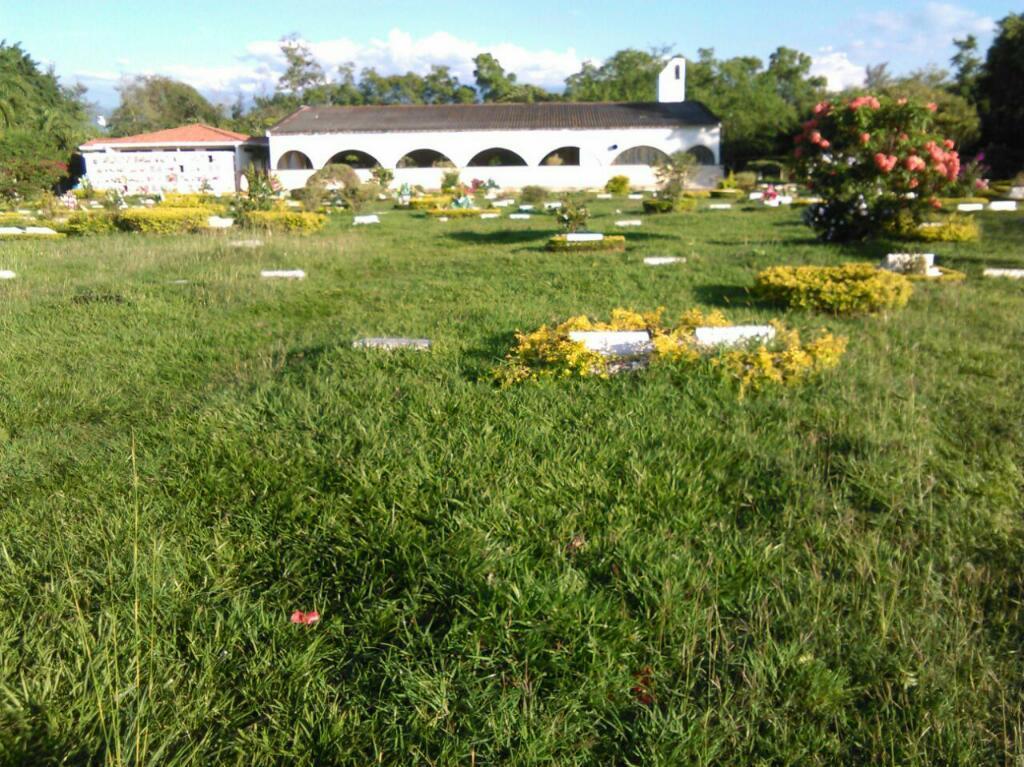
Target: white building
[186,159]
[559,145]
[551,144]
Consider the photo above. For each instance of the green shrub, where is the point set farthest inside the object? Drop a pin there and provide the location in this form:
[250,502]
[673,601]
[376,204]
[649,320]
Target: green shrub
[611,242]
[163,220]
[954,228]
[533,195]
[293,222]
[670,206]
[618,185]
[745,180]
[17,219]
[573,215]
[83,224]
[847,289]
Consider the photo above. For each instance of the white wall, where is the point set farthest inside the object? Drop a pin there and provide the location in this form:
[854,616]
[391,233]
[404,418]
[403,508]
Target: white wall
[598,148]
[150,172]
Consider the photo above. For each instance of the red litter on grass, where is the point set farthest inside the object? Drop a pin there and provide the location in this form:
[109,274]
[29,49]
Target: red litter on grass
[305,618]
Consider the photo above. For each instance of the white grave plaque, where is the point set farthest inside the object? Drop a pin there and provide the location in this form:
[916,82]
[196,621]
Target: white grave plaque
[489,215]
[755,196]
[218,222]
[392,342]
[283,274]
[1003,205]
[584,237]
[442,219]
[663,260]
[552,205]
[719,206]
[10,230]
[519,216]
[619,343]
[6,274]
[629,222]
[1011,274]
[635,197]
[732,335]
[364,220]
[503,203]
[970,207]
[246,243]
[525,207]
[40,230]
[604,196]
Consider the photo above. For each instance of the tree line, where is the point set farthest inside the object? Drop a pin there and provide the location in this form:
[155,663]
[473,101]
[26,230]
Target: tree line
[980,99]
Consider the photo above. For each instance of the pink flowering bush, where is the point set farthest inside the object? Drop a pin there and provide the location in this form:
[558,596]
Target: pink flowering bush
[875,162]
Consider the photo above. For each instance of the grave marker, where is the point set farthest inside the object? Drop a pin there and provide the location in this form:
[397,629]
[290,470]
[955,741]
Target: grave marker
[618,343]
[1003,205]
[7,274]
[519,216]
[1010,274]
[629,222]
[373,218]
[663,260]
[970,207]
[719,206]
[732,335]
[584,237]
[391,343]
[283,274]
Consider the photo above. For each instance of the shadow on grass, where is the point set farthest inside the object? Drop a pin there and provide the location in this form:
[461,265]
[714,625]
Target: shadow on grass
[481,360]
[730,295]
[500,238]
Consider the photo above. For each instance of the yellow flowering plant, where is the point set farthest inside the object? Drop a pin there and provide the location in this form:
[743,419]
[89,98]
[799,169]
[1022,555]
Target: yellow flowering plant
[846,289]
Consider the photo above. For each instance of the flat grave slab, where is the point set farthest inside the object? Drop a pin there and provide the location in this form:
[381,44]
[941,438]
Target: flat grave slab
[635,197]
[219,222]
[11,230]
[1010,274]
[719,206]
[373,218]
[7,274]
[552,205]
[490,215]
[503,203]
[443,219]
[519,216]
[584,237]
[526,207]
[970,207]
[45,230]
[1003,205]
[755,196]
[604,196]
[246,243]
[283,274]
[629,222]
[391,343]
[663,260]
[733,335]
[618,343]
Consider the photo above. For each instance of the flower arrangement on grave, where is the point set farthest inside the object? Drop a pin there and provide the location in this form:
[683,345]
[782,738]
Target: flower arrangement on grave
[573,215]
[846,289]
[872,159]
[549,353]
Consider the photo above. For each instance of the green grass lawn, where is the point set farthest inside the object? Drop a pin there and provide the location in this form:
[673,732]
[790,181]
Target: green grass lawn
[645,570]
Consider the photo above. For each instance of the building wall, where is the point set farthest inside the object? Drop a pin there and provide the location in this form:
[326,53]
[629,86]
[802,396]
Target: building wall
[598,150]
[150,172]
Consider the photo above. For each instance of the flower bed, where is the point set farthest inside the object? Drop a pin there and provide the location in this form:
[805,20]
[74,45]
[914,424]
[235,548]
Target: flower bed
[847,289]
[550,352]
[294,222]
[428,203]
[163,220]
[560,243]
[954,229]
[945,275]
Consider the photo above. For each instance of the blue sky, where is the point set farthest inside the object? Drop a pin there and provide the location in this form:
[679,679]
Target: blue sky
[225,47]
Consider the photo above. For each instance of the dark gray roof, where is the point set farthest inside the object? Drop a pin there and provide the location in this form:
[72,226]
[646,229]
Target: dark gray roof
[476,117]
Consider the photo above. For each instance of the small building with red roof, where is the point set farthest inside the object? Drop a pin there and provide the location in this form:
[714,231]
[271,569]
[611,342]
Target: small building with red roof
[189,158]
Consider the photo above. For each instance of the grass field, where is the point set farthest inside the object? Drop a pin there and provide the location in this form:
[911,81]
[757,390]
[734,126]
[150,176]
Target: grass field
[645,570]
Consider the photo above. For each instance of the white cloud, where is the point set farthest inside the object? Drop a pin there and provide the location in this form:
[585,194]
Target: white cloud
[257,68]
[927,29]
[836,67]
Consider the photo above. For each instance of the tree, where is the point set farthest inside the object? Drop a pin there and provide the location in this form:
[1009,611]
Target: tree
[303,70]
[1001,96]
[156,102]
[968,68]
[440,86]
[628,75]
[492,82]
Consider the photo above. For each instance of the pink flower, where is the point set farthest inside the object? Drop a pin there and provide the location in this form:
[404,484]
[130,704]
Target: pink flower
[914,162]
[298,617]
[307,619]
[981,183]
[901,101]
[913,183]
[885,163]
[815,137]
[949,143]
[865,101]
[822,108]
[932,106]
[865,138]
[935,202]
[824,143]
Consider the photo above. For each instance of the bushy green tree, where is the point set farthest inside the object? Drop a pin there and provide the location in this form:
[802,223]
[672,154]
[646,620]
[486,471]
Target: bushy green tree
[156,102]
[628,75]
[1001,95]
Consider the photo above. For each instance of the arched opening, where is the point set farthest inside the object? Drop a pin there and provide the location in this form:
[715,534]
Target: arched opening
[496,157]
[566,155]
[294,161]
[354,158]
[425,158]
[640,155]
[702,155]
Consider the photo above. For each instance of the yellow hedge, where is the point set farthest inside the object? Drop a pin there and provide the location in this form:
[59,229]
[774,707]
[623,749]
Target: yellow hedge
[847,289]
[954,229]
[430,202]
[611,242]
[460,212]
[163,220]
[296,222]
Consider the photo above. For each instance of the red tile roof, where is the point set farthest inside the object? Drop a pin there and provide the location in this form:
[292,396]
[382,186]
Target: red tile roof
[185,134]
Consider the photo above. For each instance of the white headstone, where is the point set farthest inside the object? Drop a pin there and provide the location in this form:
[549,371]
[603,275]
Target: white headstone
[442,219]
[584,237]
[552,205]
[1003,205]
[619,343]
[629,222]
[663,260]
[910,263]
[772,203]
[217,222]
[719,206]
[392,342]
[503,203]
[45,230]
[364,220]
[283,274]
[179,282]
[490,215]
[11,230]
[6,274]
[525,207]
[1011,274]
[785,199]
[246,243]
[519,216]
[604,196]
[970,207]
[755,196]
[732,335]
[1017,193]
[635,197]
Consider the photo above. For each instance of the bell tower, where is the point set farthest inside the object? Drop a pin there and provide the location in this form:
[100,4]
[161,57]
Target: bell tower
[672,82]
